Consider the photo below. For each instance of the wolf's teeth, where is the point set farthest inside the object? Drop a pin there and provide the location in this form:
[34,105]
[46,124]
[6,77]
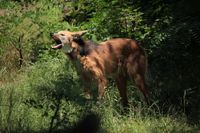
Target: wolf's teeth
[56,46]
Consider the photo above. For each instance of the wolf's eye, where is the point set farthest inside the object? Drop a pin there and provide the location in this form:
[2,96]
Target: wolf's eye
[62,34]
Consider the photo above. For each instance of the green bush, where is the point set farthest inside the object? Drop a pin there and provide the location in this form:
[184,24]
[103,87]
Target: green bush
[40,90]
[47,96]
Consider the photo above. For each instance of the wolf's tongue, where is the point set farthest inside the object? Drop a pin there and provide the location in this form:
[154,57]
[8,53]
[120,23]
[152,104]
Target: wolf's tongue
[56,46]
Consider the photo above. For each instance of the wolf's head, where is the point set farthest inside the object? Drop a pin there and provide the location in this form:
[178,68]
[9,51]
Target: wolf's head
[67,40]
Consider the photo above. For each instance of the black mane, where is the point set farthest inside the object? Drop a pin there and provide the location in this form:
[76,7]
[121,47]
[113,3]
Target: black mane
[87,46]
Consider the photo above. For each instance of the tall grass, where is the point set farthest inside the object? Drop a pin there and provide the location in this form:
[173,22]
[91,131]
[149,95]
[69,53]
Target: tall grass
[46,97]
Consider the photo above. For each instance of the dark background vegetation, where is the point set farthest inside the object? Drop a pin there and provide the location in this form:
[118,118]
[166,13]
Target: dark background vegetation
[33,76]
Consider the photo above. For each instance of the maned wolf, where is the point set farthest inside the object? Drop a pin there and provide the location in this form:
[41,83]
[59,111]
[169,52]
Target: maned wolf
[119,58]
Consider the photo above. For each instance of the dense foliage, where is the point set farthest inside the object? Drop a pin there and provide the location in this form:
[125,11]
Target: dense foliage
[39,89]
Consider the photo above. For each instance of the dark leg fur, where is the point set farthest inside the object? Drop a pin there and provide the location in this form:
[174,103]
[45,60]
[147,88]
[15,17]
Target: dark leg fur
[121,81]
[136,69]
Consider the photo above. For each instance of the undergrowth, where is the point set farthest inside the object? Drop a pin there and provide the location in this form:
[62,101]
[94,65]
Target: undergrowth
[46,97]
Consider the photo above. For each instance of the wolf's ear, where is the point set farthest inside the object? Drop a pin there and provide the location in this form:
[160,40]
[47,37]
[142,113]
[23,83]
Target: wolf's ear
[81,33]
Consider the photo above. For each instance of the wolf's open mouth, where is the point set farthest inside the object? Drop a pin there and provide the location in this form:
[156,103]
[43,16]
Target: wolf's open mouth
[58,44]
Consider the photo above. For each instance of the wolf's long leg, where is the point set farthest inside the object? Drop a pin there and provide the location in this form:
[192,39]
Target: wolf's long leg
[136,69]
[86,82]
[121,82]
[102,84]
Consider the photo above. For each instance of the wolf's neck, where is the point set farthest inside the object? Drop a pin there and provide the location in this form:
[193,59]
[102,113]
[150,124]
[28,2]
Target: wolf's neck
[86,46]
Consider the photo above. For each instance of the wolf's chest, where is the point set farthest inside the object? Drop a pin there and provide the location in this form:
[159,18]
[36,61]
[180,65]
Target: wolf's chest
[87,66]
[81,65]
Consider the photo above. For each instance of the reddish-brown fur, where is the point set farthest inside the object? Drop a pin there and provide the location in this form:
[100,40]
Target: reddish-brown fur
[119,58]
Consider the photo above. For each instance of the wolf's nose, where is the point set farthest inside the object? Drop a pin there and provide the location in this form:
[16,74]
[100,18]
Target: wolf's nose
[51,34]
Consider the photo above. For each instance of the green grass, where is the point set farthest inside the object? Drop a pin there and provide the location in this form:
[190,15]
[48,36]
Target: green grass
[30,101]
